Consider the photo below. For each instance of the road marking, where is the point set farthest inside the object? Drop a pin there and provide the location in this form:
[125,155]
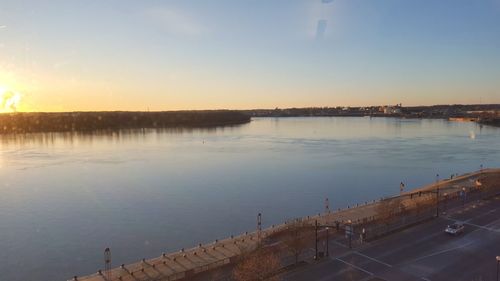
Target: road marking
[356,267]
[442,252]
[481,215]
[494,226]
[373,259]
[483,227]
[428,237]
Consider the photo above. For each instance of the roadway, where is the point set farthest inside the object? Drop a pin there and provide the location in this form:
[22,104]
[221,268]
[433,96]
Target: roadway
[423,252]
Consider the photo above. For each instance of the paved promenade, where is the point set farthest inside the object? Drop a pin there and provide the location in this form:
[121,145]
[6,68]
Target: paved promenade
[449,186]
[186,263]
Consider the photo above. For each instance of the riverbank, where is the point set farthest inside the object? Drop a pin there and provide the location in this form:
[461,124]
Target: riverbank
[116,120]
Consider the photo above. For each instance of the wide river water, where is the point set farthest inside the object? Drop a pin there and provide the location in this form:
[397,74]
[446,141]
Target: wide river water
[66,197]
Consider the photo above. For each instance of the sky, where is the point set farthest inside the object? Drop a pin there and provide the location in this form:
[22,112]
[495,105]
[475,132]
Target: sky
[88,55]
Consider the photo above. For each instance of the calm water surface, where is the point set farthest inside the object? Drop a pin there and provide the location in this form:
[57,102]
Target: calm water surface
[65,197]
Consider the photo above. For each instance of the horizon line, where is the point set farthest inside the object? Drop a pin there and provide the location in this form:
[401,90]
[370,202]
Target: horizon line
[248,109]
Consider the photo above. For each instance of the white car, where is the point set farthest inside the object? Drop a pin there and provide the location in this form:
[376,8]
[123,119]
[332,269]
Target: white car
[455,229]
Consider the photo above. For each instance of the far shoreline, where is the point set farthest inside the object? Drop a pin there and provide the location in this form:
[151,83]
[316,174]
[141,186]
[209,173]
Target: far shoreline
[25,123]
[482,114]
[91,121]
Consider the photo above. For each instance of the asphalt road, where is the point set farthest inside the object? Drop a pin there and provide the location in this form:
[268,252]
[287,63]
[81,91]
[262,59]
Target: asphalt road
[423,252]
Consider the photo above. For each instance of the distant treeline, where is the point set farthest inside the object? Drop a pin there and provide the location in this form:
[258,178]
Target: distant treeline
[116,120]
[434,111]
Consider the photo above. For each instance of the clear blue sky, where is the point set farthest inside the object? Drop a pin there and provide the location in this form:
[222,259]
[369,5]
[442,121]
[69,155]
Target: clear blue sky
[63,55]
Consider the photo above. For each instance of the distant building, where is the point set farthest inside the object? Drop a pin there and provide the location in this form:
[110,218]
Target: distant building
[388,109]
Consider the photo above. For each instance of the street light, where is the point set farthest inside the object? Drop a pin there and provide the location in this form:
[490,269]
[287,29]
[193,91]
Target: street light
[445,201]
[349,233]
[498,262]
[437,195]
[327,242]
[259,226]
[463,197]
[316,239]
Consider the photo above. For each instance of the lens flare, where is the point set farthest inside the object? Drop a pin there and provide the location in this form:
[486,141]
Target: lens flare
[9,100]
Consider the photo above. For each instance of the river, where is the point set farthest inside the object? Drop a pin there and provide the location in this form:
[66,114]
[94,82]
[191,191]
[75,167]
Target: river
[64,197]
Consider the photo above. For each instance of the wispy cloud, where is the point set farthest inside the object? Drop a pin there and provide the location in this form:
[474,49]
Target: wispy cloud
[176,22]
[3,26]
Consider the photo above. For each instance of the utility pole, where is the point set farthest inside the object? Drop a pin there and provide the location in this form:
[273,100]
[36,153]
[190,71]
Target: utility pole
[327,206]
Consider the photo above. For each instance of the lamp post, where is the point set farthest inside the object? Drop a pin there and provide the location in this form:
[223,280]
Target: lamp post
[259,226]
[445,201]
[350,233]
[327,242]
[463,197]
[437,195]
[498,262]
[316,239]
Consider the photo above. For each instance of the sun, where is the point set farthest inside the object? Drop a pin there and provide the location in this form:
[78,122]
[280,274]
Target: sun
[9,100]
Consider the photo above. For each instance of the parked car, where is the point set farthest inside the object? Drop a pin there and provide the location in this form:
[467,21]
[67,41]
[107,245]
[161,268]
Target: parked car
[455,229]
